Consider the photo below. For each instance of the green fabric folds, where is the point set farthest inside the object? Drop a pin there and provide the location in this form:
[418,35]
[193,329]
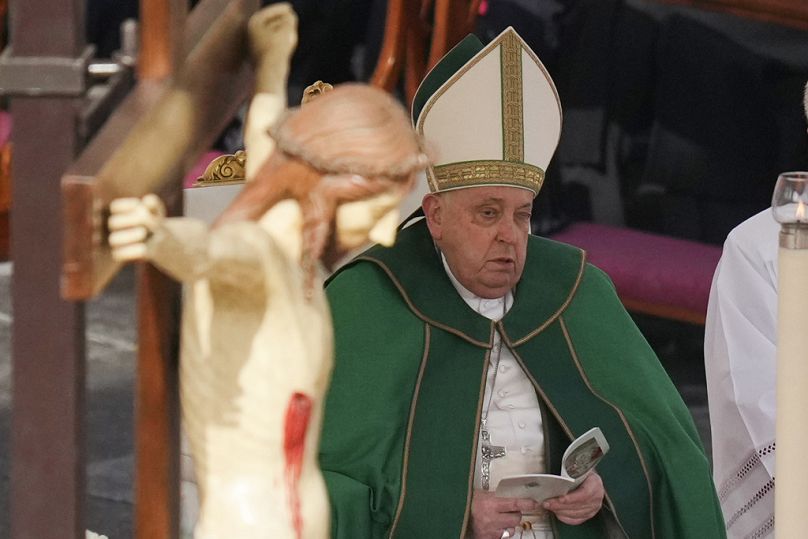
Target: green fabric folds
[402,414]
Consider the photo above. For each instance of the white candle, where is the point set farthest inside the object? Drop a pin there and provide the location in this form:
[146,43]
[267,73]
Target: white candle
[791,472]
[791,513]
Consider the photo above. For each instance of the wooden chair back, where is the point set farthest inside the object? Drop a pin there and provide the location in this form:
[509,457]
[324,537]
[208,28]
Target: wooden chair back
[417,34]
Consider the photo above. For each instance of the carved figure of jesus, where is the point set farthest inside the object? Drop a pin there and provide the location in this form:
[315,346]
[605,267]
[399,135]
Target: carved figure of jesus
[256,343]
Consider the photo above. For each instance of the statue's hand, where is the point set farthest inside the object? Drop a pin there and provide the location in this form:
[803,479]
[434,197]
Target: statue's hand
[273,35]
[132,221]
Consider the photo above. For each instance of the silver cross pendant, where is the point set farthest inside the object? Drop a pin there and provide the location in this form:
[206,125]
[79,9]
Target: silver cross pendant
[488,452]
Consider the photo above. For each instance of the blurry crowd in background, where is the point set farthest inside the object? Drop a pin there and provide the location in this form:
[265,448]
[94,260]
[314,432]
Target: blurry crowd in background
[676,120]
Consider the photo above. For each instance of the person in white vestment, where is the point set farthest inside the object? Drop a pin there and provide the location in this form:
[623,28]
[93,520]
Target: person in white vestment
[740,354]
[740,347]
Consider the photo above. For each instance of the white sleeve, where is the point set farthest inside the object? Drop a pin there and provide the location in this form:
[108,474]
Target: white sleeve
[740,365]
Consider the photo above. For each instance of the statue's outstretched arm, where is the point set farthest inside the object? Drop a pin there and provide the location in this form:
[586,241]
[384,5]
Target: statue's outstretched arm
[183,247]
[139,231]
[273,36]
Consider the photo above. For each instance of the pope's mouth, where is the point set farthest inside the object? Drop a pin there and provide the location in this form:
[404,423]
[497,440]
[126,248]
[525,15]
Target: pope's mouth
[503,262]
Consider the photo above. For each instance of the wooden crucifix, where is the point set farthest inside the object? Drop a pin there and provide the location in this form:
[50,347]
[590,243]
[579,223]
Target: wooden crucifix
[190,85]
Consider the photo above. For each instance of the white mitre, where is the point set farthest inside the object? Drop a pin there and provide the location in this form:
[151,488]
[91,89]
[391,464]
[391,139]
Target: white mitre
[491,114]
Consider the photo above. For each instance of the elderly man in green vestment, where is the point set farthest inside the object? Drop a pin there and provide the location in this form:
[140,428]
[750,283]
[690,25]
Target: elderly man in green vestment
[472,351]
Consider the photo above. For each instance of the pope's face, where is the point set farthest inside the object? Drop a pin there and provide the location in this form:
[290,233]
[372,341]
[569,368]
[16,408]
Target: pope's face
[482,232]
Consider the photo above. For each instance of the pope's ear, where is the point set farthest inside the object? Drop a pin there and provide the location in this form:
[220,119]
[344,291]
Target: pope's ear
[433,210]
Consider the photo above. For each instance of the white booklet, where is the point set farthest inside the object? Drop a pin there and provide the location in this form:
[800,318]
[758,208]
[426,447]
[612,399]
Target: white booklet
[578,461]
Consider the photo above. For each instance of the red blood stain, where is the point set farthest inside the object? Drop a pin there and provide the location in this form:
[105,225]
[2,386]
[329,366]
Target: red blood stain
[298,413]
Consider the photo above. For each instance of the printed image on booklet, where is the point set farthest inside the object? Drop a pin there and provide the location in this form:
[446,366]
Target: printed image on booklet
[579,459]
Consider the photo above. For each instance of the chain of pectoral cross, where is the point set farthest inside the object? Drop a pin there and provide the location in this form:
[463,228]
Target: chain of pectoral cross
[489,452]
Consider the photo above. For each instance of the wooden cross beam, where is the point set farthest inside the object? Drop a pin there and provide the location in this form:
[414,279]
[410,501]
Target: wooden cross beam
[156,134]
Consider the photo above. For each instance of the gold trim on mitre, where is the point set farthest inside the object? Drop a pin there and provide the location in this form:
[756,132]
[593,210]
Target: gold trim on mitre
[477,173]
[513,128]
[494,121]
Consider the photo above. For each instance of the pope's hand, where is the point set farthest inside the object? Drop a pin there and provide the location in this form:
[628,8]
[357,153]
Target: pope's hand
[579,505]
[131,223]
[490,515]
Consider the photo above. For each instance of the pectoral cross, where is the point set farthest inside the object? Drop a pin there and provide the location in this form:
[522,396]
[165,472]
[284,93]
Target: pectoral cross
[489,452]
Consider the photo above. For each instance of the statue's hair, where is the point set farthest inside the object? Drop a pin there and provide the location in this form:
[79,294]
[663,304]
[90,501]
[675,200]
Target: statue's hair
[357,138]
[353,129]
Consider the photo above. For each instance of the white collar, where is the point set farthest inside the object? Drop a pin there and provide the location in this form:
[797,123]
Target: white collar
[490,308]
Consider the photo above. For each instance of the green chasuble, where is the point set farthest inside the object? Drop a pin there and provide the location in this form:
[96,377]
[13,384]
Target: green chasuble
[402,415]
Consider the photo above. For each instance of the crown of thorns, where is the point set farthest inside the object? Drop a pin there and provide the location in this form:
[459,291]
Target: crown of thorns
[344,165]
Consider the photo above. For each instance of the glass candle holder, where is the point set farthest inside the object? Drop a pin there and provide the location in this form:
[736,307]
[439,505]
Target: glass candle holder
[790,198]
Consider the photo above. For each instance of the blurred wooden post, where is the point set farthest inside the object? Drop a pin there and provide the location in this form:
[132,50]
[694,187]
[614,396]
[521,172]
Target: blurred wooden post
[5,161]
[161,38]
[47,426]
[157,424]
[5,197]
